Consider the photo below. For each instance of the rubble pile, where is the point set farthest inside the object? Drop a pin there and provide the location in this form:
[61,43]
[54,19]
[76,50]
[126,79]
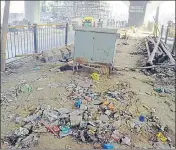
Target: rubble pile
[96,118]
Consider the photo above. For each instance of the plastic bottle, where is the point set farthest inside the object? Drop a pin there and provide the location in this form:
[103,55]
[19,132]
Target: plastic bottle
[108,146]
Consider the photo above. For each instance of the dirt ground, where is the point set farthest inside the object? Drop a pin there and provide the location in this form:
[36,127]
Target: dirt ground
[57,96]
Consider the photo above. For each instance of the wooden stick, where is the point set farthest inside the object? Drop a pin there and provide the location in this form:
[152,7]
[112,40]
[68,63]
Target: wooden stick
[147,47]
[147,67]
[150,60]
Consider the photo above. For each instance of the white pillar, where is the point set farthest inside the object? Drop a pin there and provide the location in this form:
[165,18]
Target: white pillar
[32,11]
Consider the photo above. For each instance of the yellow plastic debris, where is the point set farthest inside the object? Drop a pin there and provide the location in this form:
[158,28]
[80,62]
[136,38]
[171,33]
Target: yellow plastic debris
[111,106]
[105,103]
[161,137]
[95,76]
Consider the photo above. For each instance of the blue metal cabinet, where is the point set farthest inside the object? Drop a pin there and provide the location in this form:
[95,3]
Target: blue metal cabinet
[95,45]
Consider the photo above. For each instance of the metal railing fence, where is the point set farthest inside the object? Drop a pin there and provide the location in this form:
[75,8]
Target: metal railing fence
[37,38]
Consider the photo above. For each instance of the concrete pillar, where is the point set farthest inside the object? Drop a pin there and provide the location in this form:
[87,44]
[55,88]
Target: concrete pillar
[32,11]
[136,13]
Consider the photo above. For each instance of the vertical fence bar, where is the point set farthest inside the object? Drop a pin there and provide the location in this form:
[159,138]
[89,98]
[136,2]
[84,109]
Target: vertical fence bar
[66,34]
[39,39]
[48,37]
[173,49]
[7,46]
[21,41]
[18,43]
[42,38]
[28,41]
[59,40]
[30,33]
[14,42]
[55,33]
[44,35]
[51,36]
[35,39]
[11,44]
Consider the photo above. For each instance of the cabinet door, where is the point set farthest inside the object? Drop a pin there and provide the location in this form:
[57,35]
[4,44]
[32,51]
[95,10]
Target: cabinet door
[104,47]
[84,45]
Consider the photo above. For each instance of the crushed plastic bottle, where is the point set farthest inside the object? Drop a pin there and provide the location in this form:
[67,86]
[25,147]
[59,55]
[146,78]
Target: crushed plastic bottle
[77,104]
[65,131]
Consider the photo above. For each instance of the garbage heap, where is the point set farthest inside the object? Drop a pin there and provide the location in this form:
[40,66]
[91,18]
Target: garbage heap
[96,118]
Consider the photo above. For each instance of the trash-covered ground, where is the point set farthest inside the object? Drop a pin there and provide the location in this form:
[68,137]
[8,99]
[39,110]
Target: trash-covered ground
[62,110]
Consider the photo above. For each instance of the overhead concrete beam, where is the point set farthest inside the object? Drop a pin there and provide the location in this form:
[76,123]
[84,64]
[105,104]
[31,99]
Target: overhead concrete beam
[127,3]
[137,11]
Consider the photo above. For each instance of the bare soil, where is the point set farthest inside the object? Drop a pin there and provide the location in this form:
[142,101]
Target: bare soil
[57,96]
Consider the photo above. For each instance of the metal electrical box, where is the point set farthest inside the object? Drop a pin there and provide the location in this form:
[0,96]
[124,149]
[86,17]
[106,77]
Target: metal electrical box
[95,45]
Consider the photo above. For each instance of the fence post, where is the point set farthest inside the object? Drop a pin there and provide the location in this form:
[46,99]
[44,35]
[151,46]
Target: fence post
[35,39]
[66,34]
[167,31]
[162,27]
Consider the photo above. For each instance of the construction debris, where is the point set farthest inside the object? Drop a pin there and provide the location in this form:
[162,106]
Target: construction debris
[157,51]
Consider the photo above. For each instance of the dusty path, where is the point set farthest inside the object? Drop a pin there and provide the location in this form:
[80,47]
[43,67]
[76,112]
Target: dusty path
[56,96]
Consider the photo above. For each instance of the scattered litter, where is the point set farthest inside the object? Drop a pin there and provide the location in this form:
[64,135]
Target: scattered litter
[77,104]
[108,146]
[161,90]
[65,131]
[161,137]
[21,131]
[95,76]
[53,85]
[24,87]
[141,118]
[126,141]
[94,118]
[39,89]
[36,68]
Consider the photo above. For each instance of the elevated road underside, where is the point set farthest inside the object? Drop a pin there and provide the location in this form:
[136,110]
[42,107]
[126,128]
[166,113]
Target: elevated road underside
[138,11]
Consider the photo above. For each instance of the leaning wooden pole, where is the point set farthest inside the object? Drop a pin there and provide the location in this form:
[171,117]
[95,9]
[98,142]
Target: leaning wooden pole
[4,34]
[147,47]
[150,60]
